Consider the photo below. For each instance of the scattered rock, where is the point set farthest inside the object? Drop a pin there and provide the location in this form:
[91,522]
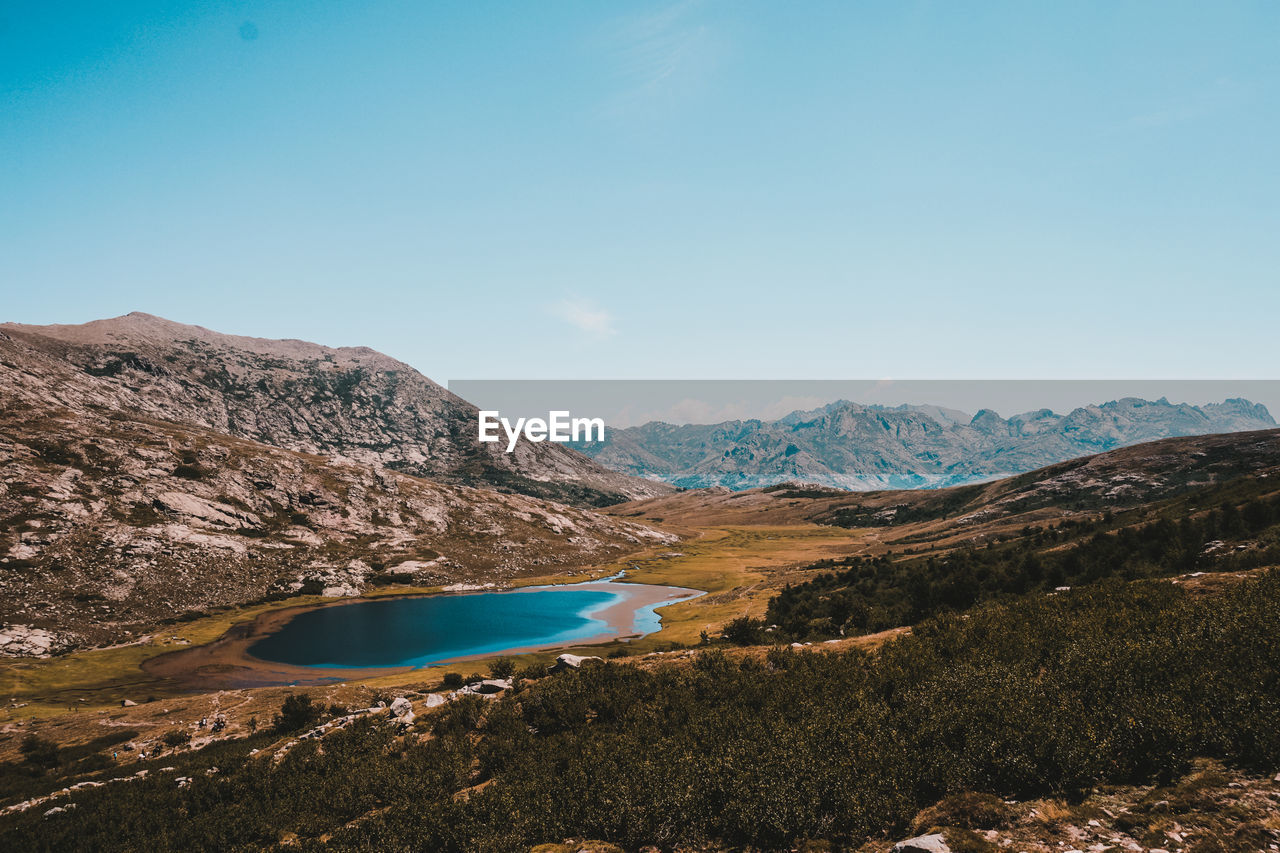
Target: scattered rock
[935,843]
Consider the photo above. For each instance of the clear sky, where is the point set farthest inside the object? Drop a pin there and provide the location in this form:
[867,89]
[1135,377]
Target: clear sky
[711,189]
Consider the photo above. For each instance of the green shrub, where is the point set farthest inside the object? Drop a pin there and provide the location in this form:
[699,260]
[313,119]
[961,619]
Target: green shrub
[176,738]
[503,667]
[532,672]
[39,752]
[297,712]
[744,631]
[968,810]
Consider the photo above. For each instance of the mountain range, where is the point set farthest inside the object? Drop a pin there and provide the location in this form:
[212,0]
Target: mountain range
[859,447]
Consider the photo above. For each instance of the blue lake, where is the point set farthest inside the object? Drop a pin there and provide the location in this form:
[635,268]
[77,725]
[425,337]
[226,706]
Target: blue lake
[424,630]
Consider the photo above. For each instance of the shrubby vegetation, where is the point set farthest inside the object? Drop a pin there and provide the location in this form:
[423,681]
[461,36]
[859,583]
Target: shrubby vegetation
[298,712]
[503,667]
[1116,682]
[40,753]
[873,594]
[44,763]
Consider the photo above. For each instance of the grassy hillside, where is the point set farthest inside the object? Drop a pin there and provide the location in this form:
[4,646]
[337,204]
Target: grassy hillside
[1213,532]
[1049,694]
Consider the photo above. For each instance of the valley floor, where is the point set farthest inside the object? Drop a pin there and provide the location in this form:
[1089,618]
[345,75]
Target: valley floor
[65,697]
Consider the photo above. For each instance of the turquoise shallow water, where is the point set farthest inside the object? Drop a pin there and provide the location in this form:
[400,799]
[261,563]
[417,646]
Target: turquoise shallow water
[430,629]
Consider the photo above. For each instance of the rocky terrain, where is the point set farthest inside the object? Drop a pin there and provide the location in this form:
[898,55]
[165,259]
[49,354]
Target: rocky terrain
[351,403]
[127,501]
[851,446]
[1127,477]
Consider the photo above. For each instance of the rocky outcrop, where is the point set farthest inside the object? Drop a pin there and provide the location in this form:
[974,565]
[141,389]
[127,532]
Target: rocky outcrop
[484,687]
[935,843]
[567,661]
[25,641]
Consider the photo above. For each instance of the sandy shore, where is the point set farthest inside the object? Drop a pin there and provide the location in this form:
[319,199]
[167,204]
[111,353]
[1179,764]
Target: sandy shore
[226,663]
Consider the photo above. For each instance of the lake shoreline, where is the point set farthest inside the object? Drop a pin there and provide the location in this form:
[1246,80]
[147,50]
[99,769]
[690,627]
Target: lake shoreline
[227,664]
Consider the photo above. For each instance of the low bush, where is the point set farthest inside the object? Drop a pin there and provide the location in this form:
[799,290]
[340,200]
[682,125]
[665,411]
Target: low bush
[176,738]
[503,667]
[296,713]
[39,752]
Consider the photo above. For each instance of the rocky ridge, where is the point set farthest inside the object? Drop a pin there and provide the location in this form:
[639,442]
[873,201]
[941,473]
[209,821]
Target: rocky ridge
[850,446]
[350,403]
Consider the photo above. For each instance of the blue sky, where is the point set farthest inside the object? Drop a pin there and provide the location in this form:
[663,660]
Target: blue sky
[710,189]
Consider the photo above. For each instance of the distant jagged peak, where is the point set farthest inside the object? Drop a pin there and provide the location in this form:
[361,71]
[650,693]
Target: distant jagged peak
[857,446]
[986,420]
[1241,406]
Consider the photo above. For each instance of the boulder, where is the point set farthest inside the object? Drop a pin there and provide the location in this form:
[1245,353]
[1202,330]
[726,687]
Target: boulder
[935,843]
[401,706]
[26,641]
[128,703]
[435,700]
[412,567]
[487,687]
[568,661]
[210,512]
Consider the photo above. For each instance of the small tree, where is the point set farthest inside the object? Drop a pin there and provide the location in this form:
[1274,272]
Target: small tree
[532,672]
[39,752]
[503,667]
[744,631]
[453,679]
[297,712]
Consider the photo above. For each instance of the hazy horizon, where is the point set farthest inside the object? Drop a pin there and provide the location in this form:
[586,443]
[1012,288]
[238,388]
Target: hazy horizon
[627,403]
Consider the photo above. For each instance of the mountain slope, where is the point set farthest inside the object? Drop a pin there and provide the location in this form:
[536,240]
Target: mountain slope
[850,446]
[113,521]
[351,403]
[1129,477]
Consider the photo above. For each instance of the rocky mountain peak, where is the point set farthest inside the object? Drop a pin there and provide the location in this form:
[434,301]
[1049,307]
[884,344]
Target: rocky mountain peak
[351,403]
